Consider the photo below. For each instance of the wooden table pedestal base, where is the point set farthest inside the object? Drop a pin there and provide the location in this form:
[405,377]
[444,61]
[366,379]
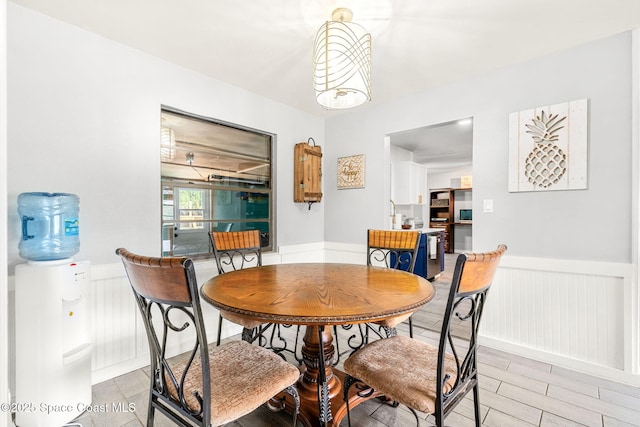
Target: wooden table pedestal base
[307,385]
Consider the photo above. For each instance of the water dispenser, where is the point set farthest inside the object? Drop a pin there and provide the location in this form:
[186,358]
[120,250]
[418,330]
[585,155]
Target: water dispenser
[52,317]
[50,226]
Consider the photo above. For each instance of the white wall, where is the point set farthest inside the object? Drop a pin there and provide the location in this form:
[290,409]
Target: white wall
[437,179]
[399,154]
[632,298]
[84,118]
[4,325]
[542,224]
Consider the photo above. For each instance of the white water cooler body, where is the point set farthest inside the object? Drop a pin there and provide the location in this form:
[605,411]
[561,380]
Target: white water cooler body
[53,342]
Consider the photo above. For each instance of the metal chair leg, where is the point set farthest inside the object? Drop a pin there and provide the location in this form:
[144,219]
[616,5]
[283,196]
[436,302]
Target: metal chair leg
[150,412]
[219,330]
[410,328]
[348,382]
[476,403]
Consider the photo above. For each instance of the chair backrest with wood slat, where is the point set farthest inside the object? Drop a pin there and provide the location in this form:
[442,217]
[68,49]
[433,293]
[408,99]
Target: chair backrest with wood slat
[235,250]
[479,270]
[393,249]
[146,272]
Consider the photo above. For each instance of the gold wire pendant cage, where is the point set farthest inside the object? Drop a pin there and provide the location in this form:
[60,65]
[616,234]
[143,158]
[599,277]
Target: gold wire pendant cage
[342,63]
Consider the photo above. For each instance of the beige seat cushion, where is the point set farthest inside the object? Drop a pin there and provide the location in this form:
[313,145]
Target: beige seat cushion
[403,369]
[245,322]
[243,377]
[392,322]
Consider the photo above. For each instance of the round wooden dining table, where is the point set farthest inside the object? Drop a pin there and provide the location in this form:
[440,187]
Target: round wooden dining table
[318,295]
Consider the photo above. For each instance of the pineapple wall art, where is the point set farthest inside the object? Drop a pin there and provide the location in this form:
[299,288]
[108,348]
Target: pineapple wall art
[548,148]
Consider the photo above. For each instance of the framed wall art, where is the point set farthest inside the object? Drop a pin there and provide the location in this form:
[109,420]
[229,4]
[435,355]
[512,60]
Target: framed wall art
[351,172]
[548,147]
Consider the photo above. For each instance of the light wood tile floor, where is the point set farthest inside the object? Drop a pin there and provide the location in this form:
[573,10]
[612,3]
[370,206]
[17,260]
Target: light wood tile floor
[515,391]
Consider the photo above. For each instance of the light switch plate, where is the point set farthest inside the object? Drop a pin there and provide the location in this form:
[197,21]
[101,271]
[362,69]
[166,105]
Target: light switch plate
[487,205]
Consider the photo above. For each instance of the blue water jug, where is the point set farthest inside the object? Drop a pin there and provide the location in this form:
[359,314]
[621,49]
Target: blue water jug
[50,226]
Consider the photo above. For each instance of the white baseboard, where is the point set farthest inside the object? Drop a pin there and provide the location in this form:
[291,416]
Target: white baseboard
[113,371]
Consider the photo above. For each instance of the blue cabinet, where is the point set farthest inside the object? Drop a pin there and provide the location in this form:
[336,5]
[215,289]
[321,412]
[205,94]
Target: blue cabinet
[430,258]
[428,263]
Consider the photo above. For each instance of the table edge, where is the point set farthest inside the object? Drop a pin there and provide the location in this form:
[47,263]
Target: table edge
[318,320]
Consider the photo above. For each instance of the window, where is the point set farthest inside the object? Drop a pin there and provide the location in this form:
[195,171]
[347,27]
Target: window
[190,208]
[215,176]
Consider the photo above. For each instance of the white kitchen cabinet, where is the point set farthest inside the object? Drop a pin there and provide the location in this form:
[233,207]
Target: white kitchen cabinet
[409,183]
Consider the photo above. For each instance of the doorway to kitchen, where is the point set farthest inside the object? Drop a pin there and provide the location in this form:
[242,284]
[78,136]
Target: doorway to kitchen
[431,180]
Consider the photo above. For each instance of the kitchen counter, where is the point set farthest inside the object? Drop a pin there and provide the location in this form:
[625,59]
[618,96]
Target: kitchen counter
[428,230]
[425,230]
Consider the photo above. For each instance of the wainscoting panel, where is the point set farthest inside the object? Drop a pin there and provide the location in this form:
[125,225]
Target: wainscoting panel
[345,253]
[119,340]
[115,321]
[119,343]
[574,314]
[571,314]
[309,252]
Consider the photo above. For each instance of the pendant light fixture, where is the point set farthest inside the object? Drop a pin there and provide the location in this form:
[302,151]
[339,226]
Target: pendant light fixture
[342,62]
[167,144]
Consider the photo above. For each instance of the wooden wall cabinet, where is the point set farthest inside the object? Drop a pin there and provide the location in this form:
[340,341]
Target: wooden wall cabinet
[307,173]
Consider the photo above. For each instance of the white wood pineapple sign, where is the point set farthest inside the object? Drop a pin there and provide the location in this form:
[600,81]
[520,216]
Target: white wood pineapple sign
[548,148]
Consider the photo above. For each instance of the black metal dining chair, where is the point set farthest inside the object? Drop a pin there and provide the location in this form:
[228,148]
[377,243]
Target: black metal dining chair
[236,250]
[213,385]
[393,249]
[389,249]
[421,376]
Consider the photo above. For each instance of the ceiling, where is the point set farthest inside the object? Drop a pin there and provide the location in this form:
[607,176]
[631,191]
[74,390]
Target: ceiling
[206,151]
[265,46]
[441,147]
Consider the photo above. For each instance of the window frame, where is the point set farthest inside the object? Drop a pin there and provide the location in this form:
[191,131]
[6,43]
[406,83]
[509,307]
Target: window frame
[211,187]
